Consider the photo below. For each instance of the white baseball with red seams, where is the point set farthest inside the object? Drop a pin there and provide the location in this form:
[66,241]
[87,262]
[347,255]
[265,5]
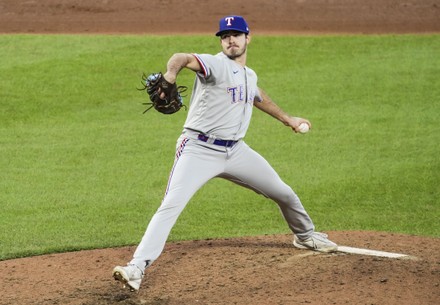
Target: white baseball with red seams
[304,128]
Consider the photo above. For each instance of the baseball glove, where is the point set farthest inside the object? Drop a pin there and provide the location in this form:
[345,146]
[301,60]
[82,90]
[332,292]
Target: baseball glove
[164,96]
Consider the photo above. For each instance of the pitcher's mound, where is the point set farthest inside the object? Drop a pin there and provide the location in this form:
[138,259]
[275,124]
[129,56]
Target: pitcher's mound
[263,270]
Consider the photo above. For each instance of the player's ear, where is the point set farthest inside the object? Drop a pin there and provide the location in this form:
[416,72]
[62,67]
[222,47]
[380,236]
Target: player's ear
[248,38]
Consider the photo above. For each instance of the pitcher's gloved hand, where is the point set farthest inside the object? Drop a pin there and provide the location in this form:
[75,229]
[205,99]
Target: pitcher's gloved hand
[165,97]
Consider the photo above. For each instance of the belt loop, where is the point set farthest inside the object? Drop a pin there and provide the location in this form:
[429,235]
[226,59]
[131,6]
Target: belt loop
[210,139]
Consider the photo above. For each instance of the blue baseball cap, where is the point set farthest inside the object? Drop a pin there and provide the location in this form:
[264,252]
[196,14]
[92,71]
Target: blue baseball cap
[232,23]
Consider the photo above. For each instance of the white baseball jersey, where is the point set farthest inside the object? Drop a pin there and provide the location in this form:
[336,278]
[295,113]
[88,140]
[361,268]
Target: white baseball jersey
[223,96]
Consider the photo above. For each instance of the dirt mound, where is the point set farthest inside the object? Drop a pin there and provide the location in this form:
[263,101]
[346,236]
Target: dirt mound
[262,270]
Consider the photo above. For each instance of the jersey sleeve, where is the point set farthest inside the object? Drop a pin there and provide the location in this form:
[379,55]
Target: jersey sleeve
[256,91]
[209,63]
[258,97]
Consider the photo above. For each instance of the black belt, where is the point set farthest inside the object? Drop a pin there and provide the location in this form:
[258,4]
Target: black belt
[220,142]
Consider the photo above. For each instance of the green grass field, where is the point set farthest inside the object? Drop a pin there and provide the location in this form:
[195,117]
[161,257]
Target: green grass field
[82,168]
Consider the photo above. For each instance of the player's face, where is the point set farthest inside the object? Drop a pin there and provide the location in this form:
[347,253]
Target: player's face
[234,44]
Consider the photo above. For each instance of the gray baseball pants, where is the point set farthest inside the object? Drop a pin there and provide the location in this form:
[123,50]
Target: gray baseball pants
[197,162]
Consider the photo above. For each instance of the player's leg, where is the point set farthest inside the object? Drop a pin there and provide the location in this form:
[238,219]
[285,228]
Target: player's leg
[193,167]
[248,168]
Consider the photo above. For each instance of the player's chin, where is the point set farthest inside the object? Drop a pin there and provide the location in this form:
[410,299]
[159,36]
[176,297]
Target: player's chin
[233,54]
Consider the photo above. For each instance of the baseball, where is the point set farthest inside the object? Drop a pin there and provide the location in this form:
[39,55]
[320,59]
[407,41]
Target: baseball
[304,127]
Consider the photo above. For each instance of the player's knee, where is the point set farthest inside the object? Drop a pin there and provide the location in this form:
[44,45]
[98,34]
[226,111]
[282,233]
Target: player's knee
[286,198]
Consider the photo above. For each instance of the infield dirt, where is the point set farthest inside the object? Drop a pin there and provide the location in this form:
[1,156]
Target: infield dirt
[261,270]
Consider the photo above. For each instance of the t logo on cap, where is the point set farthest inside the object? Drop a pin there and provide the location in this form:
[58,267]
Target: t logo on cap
[232,23]
[228,20]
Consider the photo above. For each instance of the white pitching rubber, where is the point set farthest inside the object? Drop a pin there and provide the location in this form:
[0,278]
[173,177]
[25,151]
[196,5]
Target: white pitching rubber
[361,251]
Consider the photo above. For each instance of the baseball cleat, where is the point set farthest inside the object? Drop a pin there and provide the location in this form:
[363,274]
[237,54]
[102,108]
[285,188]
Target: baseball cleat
[317,242]
[130,276]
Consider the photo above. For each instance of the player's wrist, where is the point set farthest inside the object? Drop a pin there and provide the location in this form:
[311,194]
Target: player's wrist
[286,119]
[170,77]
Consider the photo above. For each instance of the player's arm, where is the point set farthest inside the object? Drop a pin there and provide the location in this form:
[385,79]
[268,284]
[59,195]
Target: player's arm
[268,106]
[179,61]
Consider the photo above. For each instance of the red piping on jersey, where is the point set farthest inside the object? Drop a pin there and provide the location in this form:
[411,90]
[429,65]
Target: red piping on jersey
[178,154]
[205,70]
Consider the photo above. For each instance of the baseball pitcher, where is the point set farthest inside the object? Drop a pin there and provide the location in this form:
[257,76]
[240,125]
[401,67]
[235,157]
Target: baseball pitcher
[211,145]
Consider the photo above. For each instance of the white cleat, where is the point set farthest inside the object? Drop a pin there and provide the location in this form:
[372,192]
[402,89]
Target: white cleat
[317,242]
[130,276]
